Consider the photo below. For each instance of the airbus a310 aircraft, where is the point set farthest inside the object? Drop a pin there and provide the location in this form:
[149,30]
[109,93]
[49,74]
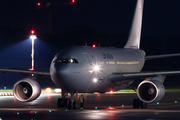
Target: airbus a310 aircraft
[86,69]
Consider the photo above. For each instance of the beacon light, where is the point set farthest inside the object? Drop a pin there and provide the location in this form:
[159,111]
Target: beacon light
[32,32]
[39,4]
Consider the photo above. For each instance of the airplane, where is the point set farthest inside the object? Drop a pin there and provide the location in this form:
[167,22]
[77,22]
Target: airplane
[86,69]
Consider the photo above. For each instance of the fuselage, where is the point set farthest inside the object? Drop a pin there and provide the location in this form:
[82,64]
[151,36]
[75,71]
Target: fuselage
[86,69]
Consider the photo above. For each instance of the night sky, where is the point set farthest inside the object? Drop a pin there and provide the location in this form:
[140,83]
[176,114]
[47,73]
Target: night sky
[104,16]
[108,16]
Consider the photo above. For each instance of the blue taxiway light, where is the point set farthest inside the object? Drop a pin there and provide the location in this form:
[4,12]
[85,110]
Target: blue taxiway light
[4,87]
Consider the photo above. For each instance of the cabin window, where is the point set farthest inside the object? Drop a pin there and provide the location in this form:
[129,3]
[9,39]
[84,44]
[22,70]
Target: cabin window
[71,60]
[112,62]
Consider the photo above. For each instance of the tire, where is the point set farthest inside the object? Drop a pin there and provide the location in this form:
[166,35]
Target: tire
[60,103]
[66,103]
[135,103]
[74,105]
[69,104]
[143,105]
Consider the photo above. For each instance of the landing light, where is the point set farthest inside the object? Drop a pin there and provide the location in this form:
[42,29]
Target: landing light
[95,80]
[96,68]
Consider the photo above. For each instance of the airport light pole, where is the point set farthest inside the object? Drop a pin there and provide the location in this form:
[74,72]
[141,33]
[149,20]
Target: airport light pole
[32,37]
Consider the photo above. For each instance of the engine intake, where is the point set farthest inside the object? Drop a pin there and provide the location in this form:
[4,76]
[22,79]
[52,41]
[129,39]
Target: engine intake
[26,90]
[150,91]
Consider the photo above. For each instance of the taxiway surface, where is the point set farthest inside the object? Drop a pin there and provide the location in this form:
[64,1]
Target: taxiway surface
[116,106]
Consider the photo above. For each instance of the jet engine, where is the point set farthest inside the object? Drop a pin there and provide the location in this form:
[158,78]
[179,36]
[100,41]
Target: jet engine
[26,90]
[150,91]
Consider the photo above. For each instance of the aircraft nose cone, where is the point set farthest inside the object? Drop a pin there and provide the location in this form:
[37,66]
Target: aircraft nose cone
[62,71]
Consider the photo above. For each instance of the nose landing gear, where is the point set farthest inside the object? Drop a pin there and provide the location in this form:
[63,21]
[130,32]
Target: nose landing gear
[137,103]
[67,102]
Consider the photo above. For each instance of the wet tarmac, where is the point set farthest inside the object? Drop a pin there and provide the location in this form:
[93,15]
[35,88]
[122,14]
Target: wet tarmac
[117,106]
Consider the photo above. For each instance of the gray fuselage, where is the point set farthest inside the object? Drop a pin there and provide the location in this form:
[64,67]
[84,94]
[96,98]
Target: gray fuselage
[72,69]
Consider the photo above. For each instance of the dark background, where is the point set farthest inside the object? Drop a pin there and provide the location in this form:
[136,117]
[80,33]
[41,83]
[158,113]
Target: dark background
[104,22]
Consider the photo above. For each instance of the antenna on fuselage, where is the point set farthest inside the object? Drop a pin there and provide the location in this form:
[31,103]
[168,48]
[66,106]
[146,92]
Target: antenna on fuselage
[135,33]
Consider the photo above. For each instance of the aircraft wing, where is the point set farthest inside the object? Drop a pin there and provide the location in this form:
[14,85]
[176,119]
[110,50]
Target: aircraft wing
[25,72]
[160,56]
[117,77]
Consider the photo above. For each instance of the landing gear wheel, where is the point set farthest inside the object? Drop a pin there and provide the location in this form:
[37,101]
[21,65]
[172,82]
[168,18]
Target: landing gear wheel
[74,105]
[69,104]
[66,103]
[143,105]
[136,103]
[60,103]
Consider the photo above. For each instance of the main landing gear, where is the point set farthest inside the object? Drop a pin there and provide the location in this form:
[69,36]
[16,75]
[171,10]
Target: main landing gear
[67,102]
[139,104]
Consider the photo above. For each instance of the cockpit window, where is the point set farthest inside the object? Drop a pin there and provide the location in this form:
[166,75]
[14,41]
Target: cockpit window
[71,60]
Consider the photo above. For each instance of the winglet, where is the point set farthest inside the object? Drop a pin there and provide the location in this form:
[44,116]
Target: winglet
[135,34]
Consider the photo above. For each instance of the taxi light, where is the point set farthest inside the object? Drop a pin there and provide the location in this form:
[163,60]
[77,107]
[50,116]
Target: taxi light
[48,90]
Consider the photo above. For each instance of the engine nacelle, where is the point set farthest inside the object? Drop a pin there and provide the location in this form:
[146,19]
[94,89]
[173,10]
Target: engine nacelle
[26,90]
[150,91]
